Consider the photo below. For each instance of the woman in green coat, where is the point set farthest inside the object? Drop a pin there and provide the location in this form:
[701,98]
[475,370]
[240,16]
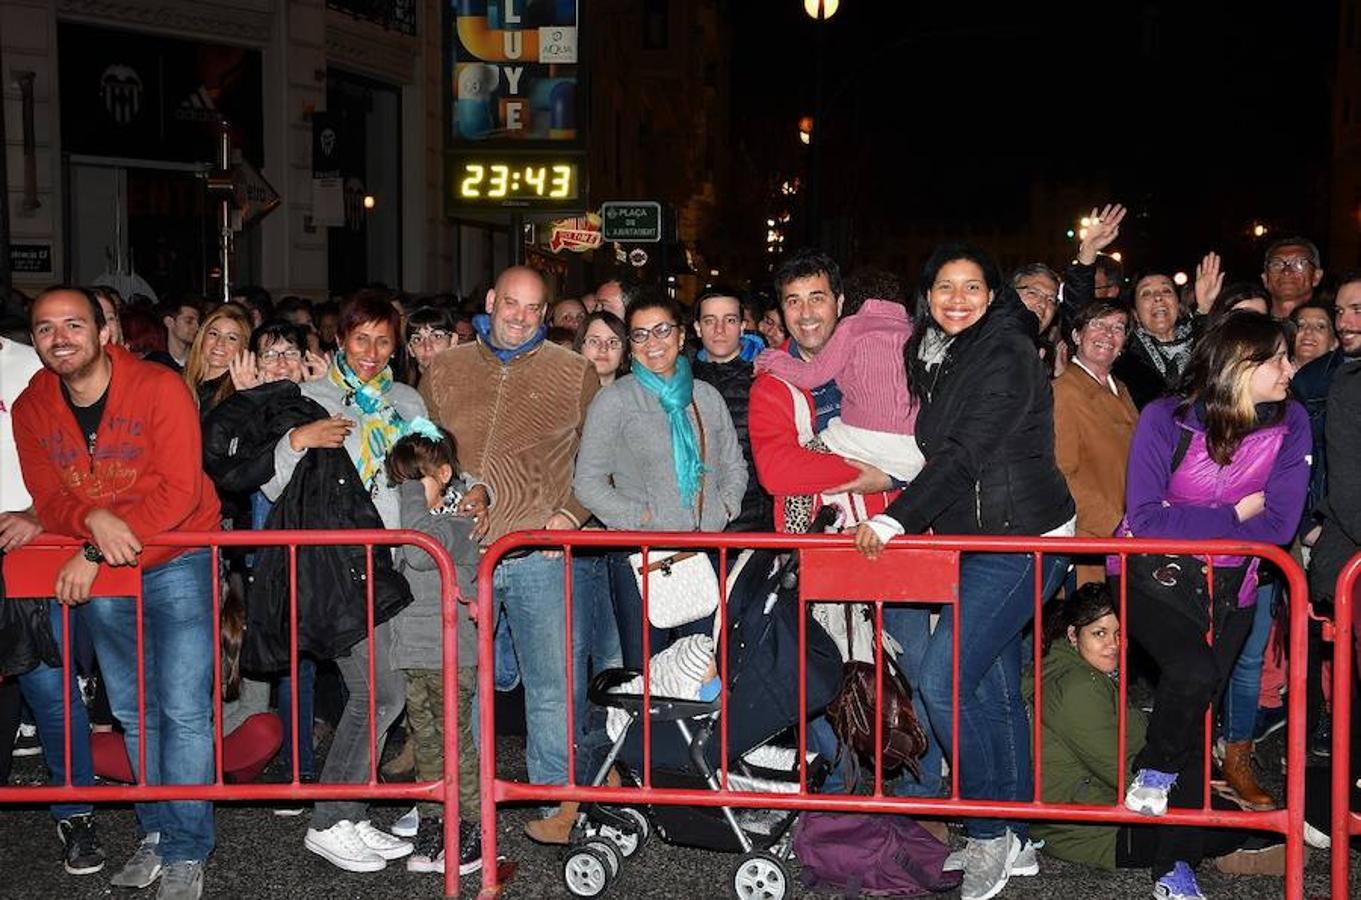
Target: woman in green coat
[1081,746]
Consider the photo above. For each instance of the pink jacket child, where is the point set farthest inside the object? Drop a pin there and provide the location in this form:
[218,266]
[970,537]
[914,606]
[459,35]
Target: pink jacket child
[865,357]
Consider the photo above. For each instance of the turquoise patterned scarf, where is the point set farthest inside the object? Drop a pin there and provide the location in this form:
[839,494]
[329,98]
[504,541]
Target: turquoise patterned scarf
[675,394]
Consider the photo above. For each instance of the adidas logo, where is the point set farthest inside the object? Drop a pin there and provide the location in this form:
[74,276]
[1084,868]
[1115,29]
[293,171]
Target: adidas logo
[198,107]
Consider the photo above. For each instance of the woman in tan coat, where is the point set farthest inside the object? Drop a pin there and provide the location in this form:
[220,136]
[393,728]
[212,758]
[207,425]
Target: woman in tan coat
[1094,421]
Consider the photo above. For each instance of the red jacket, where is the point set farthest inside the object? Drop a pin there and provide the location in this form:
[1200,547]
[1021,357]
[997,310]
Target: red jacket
[147,467]
[785,467]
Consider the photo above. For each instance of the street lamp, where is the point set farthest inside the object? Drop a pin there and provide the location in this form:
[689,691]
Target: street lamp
[821,9]
[806,129]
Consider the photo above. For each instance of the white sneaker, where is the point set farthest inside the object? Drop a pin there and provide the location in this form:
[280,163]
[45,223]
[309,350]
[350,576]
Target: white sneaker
[1319,840]
[342,847]
[408,824]
[955,862]
[1147,795]
[989,866]
[382,843]
[1028,860]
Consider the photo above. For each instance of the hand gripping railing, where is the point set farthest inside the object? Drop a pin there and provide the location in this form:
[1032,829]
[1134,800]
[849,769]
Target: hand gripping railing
[1346,823]
[31,573]
[911,570]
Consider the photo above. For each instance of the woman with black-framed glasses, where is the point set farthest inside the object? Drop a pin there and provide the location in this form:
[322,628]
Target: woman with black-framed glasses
[658,453]
[429,332]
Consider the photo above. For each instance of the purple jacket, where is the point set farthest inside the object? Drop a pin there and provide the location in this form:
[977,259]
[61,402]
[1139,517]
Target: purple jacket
[1196,502]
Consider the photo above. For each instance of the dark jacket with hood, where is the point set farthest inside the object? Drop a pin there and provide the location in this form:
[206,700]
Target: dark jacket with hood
[986,428]
[324,492]
[733,381]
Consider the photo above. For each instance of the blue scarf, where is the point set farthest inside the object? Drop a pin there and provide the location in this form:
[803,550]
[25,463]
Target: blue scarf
[482,325]
[675,394]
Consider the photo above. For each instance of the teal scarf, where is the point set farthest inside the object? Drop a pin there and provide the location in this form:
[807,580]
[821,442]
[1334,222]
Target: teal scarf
[675,395]
[380,425]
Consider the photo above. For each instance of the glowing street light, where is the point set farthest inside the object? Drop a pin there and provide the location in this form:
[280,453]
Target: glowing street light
[821,9]
[1117,257]
[806,129]
[1180,279]
[1258,230]
[369,201]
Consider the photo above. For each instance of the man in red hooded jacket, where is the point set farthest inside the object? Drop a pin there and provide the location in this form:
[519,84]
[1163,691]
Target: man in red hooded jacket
[111,453]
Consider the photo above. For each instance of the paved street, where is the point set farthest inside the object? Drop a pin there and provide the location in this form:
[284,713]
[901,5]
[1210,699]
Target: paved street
[261,855]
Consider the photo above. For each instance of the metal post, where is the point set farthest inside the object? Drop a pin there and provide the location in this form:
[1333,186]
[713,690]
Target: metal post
[224,241]
[517,239]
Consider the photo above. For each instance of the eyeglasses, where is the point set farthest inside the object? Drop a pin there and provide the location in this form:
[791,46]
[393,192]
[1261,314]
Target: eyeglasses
[1111,328]
[1294,264]
[276,355]
[661,331]
[428,337]
[1035,294]
[595,343]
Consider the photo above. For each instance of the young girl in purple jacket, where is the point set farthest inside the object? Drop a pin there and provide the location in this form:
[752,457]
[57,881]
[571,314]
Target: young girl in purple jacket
[1242,468]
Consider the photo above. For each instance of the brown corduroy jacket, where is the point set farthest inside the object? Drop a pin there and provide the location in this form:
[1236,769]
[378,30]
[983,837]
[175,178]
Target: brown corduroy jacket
[517,424]
[1092,433]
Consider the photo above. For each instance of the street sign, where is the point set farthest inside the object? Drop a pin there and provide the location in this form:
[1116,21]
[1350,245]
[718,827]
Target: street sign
[638,222]
[33,258]
[255,197]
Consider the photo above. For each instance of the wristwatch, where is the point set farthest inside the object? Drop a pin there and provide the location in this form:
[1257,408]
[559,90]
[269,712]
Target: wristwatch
[92,553]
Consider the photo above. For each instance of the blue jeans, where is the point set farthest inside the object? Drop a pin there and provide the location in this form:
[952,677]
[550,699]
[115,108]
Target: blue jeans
[307,679]
[42,690]
[532,592]
[910,627]
[996,601]
[178,619]
[507,666]
[595,636]
[1238,717]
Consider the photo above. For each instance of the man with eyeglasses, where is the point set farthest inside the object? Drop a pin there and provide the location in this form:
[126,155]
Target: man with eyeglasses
[1291,272]
[516,404]
[725,361]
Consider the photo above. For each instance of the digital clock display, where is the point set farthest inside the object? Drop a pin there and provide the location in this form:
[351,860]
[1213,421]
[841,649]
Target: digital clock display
[539,180]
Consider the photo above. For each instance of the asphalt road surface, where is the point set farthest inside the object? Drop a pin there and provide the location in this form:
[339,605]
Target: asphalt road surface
[261,855]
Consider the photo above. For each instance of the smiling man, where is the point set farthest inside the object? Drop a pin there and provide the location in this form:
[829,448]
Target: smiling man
[516,405]
[111,452]
[1291,271]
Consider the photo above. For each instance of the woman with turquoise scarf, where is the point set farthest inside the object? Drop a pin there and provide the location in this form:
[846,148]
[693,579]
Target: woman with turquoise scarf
[369,412]
[658,453]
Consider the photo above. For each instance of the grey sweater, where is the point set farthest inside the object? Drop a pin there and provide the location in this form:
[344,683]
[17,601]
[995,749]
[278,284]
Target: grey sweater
[332,398]
[624,467]
[416,631]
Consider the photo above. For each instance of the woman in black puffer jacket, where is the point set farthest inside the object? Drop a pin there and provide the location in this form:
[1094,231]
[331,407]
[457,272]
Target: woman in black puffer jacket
[986,428]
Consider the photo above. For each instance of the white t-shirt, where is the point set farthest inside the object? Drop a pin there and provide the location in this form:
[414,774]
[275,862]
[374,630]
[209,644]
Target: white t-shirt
[18,363]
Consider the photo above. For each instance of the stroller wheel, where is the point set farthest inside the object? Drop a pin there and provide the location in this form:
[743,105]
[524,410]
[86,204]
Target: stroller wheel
[612,854]
[760,876]
[586,872]
[626,842]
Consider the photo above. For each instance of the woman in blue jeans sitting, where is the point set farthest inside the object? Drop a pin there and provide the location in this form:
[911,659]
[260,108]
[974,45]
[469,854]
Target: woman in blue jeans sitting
[986,429]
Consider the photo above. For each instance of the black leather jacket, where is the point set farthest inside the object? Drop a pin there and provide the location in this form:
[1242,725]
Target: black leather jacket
[324,492]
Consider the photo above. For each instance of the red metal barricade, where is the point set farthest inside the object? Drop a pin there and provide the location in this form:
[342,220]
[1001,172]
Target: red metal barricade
[1346,822]
[31,573]
[911,570]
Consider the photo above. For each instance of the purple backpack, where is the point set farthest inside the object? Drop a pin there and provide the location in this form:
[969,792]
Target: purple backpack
[871,856]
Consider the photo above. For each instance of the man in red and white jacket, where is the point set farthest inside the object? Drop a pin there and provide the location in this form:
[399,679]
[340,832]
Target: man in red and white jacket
[782,419]
[111,452]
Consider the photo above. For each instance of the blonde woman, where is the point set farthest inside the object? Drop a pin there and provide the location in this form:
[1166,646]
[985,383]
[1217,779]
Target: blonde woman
[224,336]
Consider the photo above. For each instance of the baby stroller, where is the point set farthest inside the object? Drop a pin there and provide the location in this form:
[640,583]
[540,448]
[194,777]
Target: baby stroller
[763,702]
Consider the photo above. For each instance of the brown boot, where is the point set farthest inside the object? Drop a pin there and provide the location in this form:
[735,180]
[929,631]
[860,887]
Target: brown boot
[1267,861]
[557,828]
[402,767]
[1238,773]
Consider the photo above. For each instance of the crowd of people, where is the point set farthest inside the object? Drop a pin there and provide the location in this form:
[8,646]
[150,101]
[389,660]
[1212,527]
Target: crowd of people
[1035,404]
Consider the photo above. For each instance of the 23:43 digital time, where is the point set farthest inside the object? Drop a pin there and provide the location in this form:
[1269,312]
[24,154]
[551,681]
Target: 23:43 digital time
[497,180]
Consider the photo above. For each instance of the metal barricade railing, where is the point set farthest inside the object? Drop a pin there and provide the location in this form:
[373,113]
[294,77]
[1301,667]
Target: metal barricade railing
[1346,823]
[31,573]
[912,570]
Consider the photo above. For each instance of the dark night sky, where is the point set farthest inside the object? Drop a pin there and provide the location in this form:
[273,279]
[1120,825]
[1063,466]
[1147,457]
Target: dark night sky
[1200,116]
